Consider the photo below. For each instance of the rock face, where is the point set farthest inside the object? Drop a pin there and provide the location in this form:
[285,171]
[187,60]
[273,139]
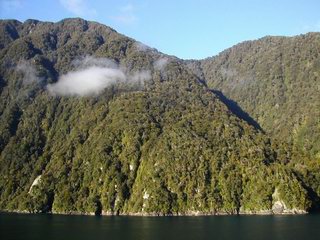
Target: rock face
[35,183]
[151,138]
[278,207]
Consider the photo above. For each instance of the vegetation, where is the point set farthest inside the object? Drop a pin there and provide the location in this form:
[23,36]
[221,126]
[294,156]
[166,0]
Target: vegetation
[169,145]
[275,82]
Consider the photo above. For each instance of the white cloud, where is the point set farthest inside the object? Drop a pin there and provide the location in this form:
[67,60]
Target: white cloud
[92,76]
[29,73]
[84,82]
[140,77]
[161,63]
[141,47]
[89,61]
[78,7]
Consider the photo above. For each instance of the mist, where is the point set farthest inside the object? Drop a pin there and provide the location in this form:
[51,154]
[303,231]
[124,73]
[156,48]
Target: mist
[92,75]
[161,63]
[236,80]
[140,77]
[90,81]
[141,47]
[89,61]
[29,73]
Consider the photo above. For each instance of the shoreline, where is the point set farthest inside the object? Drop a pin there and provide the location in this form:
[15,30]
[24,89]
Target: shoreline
[187,214]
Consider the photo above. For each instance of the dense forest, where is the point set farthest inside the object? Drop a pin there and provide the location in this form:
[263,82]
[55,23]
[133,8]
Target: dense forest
[93,122]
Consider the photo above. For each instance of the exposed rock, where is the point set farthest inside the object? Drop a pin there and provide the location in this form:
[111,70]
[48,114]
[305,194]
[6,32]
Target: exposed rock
[278,207]
[35,183]
[146,195]
[172,135]
[131,167]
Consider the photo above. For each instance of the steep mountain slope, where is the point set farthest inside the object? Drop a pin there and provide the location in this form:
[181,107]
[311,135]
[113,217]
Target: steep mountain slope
[152,139]
[276,81]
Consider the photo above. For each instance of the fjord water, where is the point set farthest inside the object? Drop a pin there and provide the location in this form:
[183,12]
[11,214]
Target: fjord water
[29,226]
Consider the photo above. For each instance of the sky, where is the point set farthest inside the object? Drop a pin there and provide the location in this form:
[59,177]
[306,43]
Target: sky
[188,29]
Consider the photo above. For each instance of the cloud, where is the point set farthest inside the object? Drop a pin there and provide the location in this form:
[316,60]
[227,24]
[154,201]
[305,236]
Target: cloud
[228,73]
[141,47]
[84,82]
[126,15]
[89,61]
[29,73]
[140,77]
[161,63]
[235,80]
[78,7]
[10,5]
[92,76]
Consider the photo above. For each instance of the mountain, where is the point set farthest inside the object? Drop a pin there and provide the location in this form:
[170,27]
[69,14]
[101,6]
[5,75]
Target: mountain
[274,83]
[94,122]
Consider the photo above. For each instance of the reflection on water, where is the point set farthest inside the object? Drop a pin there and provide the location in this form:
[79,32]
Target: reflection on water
[21,226]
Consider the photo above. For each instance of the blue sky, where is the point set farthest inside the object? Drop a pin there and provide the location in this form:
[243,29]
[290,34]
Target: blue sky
[184,28]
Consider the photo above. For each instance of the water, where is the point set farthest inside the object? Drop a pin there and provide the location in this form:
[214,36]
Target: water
[22,226]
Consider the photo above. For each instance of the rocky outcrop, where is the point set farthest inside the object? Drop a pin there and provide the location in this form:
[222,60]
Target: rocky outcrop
[36,182]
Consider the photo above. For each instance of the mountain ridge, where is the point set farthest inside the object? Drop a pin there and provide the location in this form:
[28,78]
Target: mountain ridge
[153,140]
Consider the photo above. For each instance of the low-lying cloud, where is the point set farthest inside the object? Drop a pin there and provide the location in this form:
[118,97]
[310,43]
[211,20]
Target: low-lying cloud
[141,47]
[29,73]
[84,82]
[161,63]
[89,61]
[92,76]
[236,80]
[140,77]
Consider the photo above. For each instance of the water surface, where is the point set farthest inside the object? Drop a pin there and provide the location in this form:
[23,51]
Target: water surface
[31,226]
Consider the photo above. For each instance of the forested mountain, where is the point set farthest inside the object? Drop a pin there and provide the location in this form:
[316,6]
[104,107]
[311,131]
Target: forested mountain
[95,122]
[275,83]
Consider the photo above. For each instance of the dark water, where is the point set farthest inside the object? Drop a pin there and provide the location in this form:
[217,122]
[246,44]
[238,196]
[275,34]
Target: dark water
[20,226]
